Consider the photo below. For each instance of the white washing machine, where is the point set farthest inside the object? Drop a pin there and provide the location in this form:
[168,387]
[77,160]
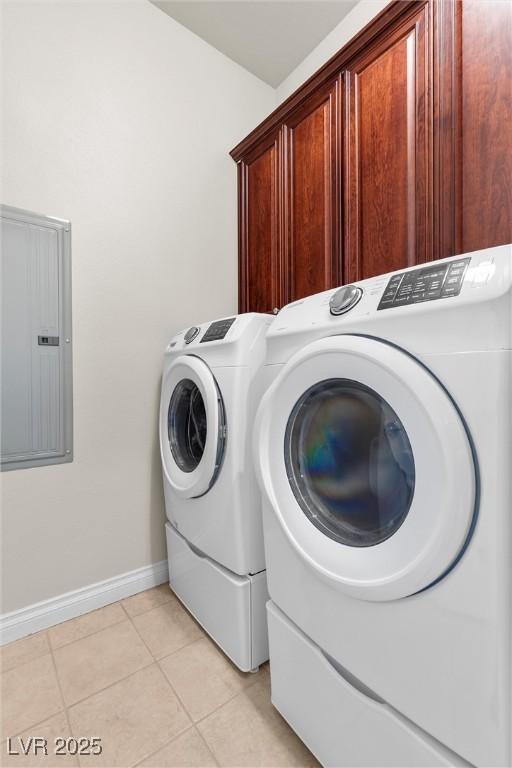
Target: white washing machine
[211,387]
[384,454]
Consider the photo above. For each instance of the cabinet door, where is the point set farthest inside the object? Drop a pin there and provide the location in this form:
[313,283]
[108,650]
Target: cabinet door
[486,130]
[260,283]
[311,233]
[388,152]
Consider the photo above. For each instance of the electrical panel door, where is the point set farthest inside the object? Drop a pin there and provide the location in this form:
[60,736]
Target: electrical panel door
[36,367]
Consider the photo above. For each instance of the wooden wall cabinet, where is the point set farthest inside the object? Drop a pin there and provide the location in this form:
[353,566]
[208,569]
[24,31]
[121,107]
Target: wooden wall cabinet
[388,152]
[311,194]
[396,152]
[289,207]
[260,281]
[484,153]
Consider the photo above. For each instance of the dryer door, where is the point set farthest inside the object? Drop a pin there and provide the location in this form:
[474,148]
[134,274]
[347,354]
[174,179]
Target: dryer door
[192,427]
[368,467]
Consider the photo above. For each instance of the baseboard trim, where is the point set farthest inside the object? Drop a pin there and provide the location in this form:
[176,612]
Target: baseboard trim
[47,613]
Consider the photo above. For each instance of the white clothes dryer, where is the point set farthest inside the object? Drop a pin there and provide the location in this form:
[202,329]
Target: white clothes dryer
[211,387]
[384,453]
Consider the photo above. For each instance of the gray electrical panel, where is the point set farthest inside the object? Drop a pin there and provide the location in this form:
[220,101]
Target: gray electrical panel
[36,342]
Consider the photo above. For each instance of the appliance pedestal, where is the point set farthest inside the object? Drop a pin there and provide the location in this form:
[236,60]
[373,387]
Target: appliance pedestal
[231,608]
[341,722]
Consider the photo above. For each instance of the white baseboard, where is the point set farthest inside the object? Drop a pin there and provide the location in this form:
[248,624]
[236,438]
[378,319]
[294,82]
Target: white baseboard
[47,613]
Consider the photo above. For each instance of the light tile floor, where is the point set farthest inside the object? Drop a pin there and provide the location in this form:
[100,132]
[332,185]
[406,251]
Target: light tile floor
[143,676]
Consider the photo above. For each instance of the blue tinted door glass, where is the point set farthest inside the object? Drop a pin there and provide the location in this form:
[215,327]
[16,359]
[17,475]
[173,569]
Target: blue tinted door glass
[349,462]
[186,425]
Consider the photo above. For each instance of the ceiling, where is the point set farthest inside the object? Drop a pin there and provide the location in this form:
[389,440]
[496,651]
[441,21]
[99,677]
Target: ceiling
[267,37]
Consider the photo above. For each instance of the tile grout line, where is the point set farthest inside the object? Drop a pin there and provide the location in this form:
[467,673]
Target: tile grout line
[23,663]
[177,650]
[151,754]
[110,685]
[185,710]
[66,713]
[172,597]
[127,616]
[161,658]
[208,747]
[237,693]
[89,634]
[213,711]
[224,703]
[157,662]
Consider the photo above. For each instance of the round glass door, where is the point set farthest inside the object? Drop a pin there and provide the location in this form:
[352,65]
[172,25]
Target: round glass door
[367,467]
[192,427]
[349,462]
[187,427]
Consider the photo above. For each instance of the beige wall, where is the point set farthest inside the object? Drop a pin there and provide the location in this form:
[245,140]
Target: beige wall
[353,22]
[119,119]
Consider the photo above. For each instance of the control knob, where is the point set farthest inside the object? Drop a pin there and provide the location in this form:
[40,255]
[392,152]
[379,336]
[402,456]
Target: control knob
[344,299]
[191,334]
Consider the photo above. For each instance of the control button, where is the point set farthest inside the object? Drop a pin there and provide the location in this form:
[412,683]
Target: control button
[191,334]
[344,299]
[402,300]
[460,264]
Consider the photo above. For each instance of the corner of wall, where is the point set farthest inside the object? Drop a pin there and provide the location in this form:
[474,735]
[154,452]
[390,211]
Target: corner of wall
[360,15]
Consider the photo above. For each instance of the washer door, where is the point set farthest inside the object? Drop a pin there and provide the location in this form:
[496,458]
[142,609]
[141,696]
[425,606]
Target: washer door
[192,427]
[368,467]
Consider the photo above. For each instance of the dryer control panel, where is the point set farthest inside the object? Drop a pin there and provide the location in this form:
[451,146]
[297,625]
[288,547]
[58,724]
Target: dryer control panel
[437,281]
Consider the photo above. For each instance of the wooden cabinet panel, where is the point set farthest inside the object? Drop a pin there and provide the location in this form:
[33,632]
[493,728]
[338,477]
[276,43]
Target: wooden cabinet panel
[260,281]
[486,135]
[312,259]
[388,153]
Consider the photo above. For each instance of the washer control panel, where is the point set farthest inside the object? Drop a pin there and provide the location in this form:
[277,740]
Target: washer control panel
[437,281]
[218,330]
